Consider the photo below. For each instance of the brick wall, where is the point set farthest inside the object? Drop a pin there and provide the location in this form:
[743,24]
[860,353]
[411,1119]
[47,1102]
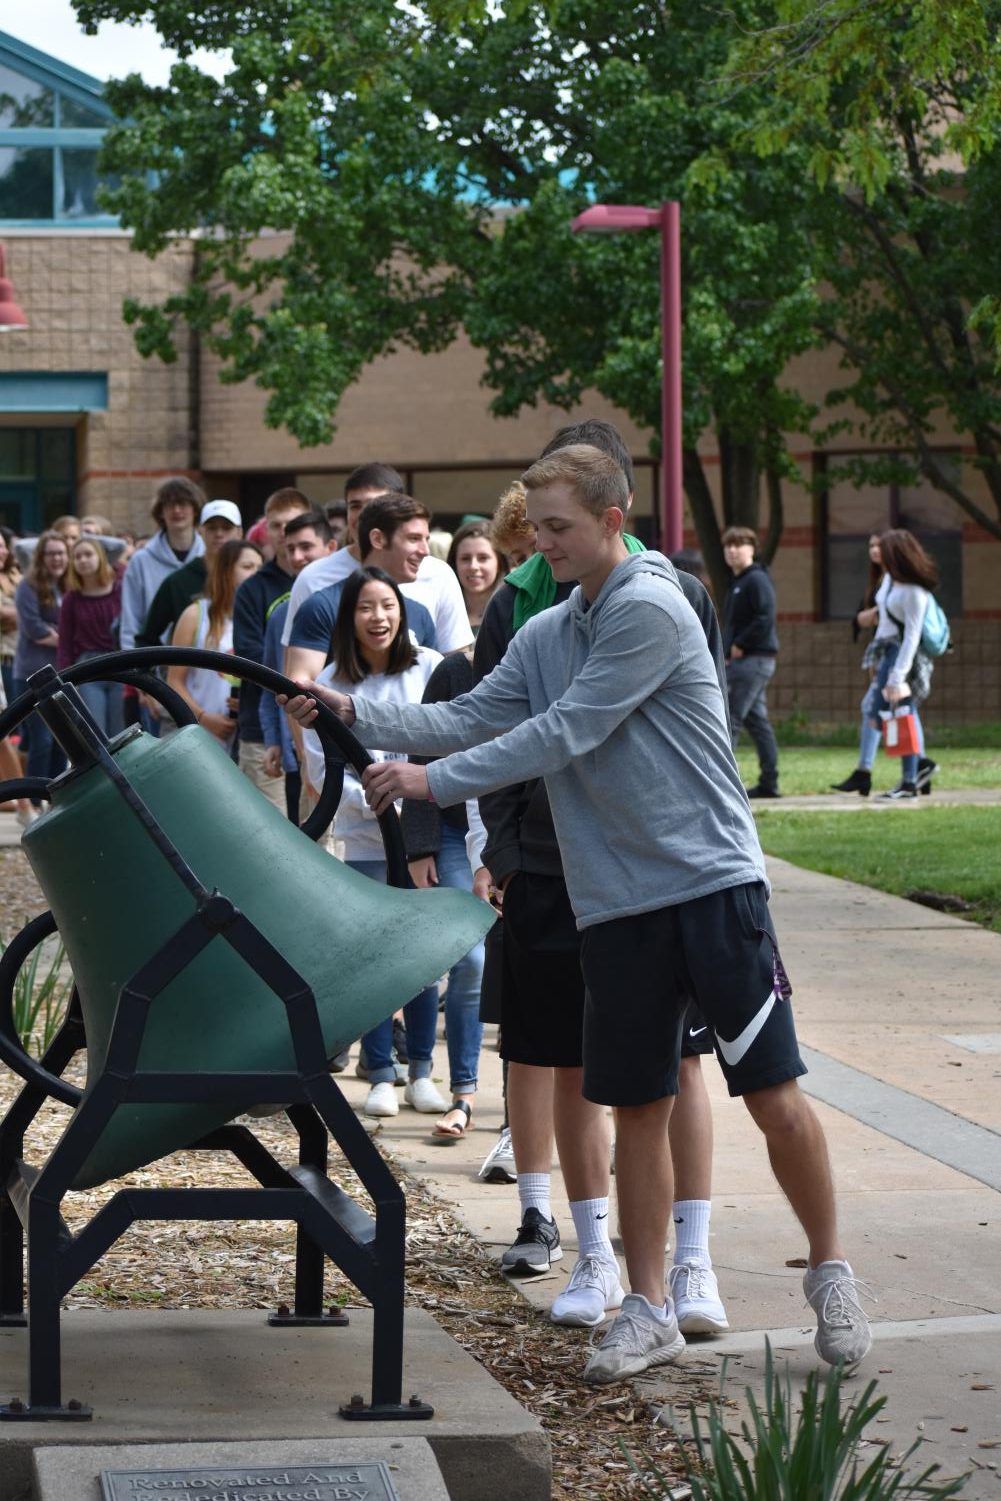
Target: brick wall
[818,674]
[72,287]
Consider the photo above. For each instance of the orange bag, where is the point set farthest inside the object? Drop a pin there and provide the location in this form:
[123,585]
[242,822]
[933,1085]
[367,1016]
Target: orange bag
[900,732]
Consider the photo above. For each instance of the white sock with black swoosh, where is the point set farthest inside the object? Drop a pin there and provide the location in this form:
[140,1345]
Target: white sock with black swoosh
[691,1230]
[590,1219]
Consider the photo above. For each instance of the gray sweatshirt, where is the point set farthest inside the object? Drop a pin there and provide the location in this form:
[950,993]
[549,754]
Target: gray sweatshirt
[619,708]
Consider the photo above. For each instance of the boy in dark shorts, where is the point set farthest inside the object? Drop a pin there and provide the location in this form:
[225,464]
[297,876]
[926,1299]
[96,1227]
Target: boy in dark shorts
[541,993]
[613,698]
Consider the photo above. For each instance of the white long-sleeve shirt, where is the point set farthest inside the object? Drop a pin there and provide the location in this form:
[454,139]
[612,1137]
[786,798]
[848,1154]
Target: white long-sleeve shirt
[906,604]
[354,822]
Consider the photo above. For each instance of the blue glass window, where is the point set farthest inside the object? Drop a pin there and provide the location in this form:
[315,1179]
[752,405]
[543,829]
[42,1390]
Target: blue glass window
[52,122]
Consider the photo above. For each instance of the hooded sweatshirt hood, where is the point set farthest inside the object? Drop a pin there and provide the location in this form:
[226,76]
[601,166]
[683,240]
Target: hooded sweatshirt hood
[146,571]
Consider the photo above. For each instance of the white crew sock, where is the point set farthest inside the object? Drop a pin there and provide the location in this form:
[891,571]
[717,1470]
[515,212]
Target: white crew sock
[691,1230]
[590,1218]
[659,1311]
[533,1193]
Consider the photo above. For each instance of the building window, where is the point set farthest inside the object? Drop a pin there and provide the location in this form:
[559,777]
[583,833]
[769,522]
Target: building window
[37,476]
[851,510]
[50,134]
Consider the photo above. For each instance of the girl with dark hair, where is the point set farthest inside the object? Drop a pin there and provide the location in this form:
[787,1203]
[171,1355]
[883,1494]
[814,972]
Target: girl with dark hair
[88,625]
[208,623]
[373,658]
[38,597]
[478,565]
[900,668]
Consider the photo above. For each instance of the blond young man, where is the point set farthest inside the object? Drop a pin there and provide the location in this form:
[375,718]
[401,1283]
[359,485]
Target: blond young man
[608,696]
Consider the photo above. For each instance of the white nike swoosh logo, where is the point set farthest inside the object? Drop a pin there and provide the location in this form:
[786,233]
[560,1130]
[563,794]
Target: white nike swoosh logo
[696,1031]
[734,1051]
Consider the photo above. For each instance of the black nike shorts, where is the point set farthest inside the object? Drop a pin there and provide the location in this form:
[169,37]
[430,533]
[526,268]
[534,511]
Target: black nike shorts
[718,951]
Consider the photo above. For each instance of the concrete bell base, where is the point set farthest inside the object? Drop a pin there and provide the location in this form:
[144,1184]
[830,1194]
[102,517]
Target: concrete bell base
[73,1474]
[164,1377]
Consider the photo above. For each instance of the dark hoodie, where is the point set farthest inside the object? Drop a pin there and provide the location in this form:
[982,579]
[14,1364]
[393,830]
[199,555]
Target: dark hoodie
[749,614]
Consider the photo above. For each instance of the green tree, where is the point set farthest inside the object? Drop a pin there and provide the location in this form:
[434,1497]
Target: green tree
[314,140]
[897,107]
[554,106]
[380,144]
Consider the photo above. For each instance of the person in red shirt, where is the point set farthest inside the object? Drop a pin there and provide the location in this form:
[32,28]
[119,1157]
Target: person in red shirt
[88,625]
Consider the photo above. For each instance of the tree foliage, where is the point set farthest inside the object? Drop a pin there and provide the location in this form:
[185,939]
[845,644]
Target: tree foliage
[554,107]
[898,107]
[414,170]
[315,140]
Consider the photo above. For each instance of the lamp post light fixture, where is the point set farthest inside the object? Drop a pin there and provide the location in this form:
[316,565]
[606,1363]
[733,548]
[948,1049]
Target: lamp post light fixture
[624,218]
[11,314]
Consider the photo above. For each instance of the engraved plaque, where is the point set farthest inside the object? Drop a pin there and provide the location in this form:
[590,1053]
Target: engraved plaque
[368,1481]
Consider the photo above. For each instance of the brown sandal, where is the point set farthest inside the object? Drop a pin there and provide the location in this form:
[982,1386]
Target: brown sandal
[443,1134]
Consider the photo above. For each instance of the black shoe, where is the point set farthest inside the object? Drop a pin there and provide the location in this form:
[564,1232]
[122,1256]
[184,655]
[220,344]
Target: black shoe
[860,781]
[535,1249]
[926,770]
[761,790]
[400,1041]
[901,791]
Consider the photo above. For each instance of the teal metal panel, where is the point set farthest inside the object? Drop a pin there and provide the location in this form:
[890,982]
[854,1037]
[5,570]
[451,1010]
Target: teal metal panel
[59,391]
[53,73]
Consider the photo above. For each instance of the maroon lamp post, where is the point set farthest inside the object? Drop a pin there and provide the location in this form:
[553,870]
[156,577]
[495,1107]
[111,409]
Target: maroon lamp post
[618,218]
[11,315]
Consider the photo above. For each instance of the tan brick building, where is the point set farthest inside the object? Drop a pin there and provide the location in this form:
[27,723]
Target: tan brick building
[87,424]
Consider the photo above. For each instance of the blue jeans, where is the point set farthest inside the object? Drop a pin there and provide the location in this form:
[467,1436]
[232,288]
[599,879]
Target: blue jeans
[747,678]
[45,755]
[420,1017]
[104,700]
[873,702]
[463,1028]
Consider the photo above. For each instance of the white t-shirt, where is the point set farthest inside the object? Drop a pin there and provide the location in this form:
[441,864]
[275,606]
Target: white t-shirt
[354,821]
[436,587]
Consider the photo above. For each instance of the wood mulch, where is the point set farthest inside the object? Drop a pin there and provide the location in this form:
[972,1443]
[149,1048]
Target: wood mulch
[250,1264]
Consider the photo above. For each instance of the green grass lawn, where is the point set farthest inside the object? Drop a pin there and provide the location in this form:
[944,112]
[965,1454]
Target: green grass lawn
[812,768]
[951,850]
[955,851]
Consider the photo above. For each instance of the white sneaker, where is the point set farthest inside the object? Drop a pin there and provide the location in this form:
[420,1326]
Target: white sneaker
[843,1334]
[594,1288]
[381,1101]
[26,816]
[636,1341]
[695,1294]
[423,1096]
[498,1164]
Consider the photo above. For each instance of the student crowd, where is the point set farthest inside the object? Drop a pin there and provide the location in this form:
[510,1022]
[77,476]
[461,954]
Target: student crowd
[485,658]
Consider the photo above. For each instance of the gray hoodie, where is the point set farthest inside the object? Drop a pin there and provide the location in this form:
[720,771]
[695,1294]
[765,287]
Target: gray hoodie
[619,707]
[146,571]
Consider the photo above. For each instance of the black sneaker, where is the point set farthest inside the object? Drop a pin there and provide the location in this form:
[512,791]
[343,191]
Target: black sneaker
[536,1248]
[761,790]
[400,1041]
[926,770]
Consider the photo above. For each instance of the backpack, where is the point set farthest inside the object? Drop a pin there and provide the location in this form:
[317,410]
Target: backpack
[935,640]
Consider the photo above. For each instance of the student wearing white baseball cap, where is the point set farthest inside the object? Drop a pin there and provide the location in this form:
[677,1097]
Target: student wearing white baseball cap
[219,521]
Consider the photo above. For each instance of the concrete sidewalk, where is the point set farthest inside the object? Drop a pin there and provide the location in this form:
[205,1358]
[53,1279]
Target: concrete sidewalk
[899,1012]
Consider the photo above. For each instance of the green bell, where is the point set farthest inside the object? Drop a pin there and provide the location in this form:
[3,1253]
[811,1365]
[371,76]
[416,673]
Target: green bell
[363,948]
